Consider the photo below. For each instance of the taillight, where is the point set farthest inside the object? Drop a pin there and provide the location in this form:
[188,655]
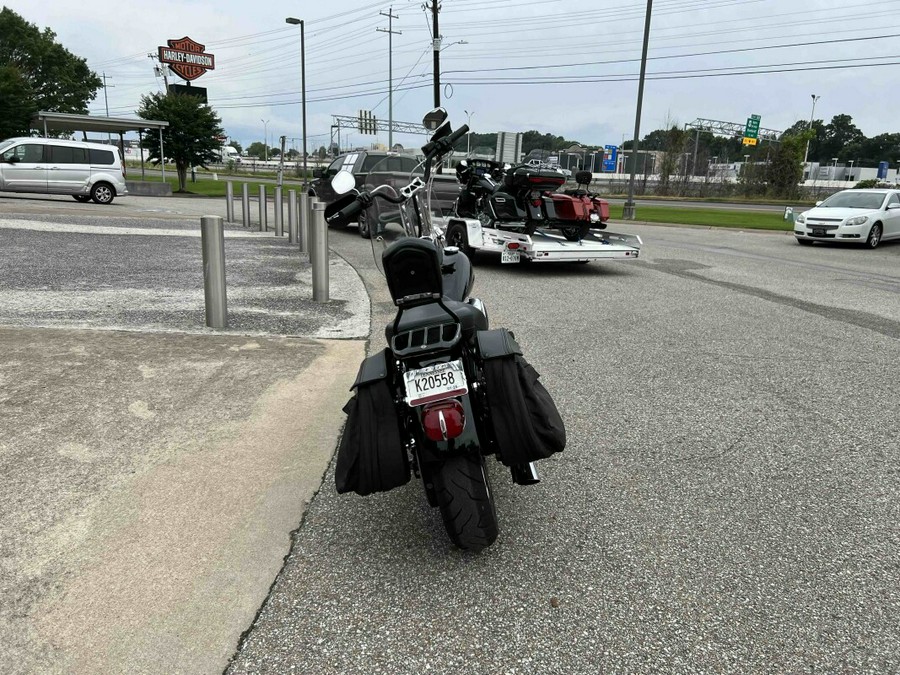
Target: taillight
[443,420]
[513,245]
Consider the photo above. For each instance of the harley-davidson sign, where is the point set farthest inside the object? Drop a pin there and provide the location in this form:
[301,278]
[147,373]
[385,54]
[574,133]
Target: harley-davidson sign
[187,58]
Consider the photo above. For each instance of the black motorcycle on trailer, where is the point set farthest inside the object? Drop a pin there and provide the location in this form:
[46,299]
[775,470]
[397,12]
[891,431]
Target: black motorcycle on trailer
[448,391]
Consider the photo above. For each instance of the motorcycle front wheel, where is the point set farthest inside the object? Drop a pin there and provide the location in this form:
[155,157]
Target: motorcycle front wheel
[464,497]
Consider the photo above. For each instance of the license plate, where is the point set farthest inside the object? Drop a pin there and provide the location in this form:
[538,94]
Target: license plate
[435,383]
[818,233]
[509,256]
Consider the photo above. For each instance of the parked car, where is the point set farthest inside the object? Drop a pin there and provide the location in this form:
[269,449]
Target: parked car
[50,166]
[857,216]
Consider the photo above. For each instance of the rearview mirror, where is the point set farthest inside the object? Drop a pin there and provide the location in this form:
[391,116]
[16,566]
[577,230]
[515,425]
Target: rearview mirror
[343,182]
[318,173]
[891,207]
[12,159]
[434,118]
[819,203]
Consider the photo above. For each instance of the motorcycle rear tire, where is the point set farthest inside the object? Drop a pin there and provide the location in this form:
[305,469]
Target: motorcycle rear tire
[576,232]
[466,502]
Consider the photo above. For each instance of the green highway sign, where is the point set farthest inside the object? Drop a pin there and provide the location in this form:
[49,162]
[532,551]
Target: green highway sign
[752,128]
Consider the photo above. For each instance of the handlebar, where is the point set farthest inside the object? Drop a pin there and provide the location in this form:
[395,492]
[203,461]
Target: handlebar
[364,199]
[346,214]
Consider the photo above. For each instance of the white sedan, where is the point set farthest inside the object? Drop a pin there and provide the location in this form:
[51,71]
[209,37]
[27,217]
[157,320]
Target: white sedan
[857,216]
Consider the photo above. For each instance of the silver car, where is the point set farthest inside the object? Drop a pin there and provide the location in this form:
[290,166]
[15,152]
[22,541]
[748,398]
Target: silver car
[87,171]
[857,216]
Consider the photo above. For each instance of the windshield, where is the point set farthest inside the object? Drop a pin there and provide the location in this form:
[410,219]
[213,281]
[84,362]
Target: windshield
[5,144]
[854,200]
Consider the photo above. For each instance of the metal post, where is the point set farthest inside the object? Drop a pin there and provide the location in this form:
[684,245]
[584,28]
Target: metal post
[162,154]
[629,210]
[279,213]
[212,237]
[292,216]
[263,209]
[318,252]
[245,203]
[303,221]
[229,202]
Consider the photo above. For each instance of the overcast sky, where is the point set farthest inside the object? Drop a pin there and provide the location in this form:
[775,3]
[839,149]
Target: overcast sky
[502,75]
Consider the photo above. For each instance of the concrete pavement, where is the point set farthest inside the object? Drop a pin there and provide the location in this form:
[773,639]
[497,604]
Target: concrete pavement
[153,469]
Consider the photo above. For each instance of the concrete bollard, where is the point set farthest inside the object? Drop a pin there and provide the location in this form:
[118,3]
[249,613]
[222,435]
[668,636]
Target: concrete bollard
[318,252]
[263,209]
[229,202]
[292,216]
[212,241]
[245,203]
[279,212]
[303,221]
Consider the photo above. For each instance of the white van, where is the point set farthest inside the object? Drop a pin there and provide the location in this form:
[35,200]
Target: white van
[57,167]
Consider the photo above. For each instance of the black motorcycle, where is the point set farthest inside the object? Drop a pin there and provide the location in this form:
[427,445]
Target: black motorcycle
[448,391]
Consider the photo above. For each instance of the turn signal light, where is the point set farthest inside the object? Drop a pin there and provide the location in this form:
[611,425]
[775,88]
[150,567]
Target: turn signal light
[443,420]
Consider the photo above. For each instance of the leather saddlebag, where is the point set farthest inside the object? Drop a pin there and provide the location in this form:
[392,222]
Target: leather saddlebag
[526,423]
[371,457]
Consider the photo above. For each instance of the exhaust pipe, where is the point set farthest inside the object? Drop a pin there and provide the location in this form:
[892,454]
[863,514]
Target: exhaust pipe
[524,474]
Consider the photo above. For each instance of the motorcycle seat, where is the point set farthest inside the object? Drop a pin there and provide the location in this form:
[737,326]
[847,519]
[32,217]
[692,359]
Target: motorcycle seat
[425,316]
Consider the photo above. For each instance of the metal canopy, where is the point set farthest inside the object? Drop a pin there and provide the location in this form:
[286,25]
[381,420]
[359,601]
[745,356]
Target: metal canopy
[84,123]
[71,122]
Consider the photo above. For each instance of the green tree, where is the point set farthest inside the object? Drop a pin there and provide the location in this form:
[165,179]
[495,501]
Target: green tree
[839,134]
[191,137]
[257,149]
[38,73]
[785,168]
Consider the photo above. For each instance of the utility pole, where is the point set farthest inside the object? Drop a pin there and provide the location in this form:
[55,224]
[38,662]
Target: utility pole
[106,100]
[811,115]
[160,70]
[436,46]
[391,32]
[628,210]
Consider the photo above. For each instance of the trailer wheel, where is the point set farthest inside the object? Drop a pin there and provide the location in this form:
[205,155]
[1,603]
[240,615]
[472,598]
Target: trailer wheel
[458,236]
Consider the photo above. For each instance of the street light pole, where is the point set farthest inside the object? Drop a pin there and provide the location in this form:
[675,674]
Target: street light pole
[811,115]
[628,211]
[299,22]
[266,138]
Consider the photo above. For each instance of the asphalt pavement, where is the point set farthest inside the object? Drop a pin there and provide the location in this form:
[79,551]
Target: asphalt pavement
[727,501]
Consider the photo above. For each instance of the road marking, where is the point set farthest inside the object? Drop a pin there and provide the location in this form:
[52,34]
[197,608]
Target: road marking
[40,226]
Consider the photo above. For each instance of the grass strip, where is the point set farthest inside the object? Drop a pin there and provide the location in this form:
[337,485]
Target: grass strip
[754,220]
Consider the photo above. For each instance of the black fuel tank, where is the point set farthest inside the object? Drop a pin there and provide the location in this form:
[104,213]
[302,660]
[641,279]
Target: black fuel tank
[457,274]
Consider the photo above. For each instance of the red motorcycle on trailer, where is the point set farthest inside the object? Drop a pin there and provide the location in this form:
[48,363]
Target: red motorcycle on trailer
[524,198]
[447,392]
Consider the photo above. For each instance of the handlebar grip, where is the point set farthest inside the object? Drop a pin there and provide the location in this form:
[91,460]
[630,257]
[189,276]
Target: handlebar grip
[351,209]
[346,214]
[457,135]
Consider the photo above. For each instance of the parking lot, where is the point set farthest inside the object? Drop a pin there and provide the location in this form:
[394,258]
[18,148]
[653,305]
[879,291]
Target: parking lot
[727,501]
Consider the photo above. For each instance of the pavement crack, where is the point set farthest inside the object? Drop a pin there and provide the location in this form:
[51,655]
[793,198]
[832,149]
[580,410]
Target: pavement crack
[683,269]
